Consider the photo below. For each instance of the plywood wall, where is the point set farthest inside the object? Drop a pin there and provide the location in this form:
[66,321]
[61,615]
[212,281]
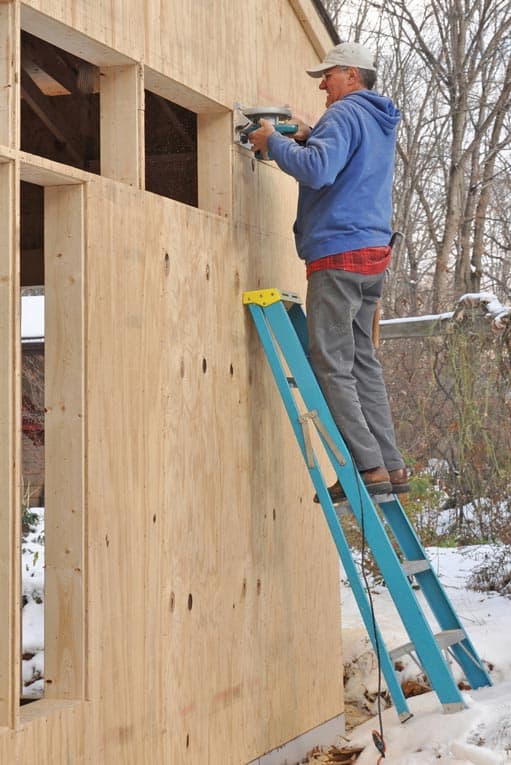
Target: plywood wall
[212,547]
[208,618]
[226,51]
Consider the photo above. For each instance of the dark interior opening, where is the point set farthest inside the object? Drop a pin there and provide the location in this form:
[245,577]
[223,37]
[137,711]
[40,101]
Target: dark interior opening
[170,150]
[59,105]
[31,235]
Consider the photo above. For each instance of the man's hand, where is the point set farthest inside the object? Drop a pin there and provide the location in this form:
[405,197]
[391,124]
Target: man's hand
[259,138]
[303,131]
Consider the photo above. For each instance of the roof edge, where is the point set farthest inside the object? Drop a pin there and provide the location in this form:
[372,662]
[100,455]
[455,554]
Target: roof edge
[316,23]
[327,21]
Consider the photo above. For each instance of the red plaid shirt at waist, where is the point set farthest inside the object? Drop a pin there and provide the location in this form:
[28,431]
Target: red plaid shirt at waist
[368,260]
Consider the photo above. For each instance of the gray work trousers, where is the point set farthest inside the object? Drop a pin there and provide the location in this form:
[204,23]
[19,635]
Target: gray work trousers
[340,309]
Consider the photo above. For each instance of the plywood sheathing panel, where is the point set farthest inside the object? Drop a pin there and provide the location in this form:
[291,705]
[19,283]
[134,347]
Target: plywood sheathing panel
[48,732]
[203,604]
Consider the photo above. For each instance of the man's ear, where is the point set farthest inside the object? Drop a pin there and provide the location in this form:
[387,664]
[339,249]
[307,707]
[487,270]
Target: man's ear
[354,76]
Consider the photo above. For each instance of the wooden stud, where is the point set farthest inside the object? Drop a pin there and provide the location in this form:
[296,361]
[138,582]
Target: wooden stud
[64,443]
[122,124]
[10,439]
[9,74]
[214,137]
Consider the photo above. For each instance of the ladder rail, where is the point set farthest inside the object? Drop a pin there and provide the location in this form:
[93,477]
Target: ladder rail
[336,530]
[434,593]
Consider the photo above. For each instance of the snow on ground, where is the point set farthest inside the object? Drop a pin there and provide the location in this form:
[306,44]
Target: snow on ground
[32,317]
[32,576]
[479,735]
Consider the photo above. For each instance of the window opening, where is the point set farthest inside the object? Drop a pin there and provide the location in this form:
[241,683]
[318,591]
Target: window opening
[59,105]
[170,149]
[33,462]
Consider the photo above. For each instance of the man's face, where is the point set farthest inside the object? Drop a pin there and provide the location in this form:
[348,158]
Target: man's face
[338,82]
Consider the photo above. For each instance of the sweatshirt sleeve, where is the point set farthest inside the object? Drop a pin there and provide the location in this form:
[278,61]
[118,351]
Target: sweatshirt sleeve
[326,152]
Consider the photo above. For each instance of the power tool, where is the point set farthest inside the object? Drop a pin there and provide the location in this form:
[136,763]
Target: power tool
[247,120]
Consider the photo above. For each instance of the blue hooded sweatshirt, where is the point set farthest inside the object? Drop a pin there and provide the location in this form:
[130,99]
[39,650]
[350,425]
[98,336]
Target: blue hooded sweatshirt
[345,172]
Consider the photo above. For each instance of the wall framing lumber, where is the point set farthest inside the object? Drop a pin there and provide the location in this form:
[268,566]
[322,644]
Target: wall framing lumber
[179,93]
[195,474]
[10,438]
[9,74]
[122,124]
[65,464]
[47,172]
[214,154]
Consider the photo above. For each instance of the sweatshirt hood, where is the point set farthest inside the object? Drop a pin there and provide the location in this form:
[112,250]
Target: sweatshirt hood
[380,107]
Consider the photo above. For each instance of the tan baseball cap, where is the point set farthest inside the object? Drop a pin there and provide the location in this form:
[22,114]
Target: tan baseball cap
[345,54]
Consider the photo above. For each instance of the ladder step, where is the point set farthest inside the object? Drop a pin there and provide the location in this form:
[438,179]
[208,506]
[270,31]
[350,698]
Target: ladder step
[412,567]
[444,639]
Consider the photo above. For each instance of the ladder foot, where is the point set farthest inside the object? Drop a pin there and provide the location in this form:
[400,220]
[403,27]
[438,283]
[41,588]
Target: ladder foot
[455,706]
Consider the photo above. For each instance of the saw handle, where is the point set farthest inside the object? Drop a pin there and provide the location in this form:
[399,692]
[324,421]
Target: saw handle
[284,128]
[287,128]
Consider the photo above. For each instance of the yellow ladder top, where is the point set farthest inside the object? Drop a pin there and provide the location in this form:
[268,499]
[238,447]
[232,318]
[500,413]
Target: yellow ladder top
[268,296]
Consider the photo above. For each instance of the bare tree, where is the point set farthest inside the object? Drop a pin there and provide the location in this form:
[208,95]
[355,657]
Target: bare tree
[447,63]
[464,45]
[352,19]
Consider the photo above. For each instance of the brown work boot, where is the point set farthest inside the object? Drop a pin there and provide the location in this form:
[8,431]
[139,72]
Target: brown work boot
[399,481]
[377,481]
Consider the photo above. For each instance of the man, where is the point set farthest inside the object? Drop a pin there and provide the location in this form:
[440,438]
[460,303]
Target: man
[344,166]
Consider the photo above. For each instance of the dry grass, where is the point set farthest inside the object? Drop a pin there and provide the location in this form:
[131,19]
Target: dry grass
[340,756]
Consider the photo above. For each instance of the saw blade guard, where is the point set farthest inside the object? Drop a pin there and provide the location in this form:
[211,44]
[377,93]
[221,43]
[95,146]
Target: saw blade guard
[246,120]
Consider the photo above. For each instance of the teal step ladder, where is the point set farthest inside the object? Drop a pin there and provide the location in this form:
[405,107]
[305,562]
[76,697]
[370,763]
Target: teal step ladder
[282,328]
